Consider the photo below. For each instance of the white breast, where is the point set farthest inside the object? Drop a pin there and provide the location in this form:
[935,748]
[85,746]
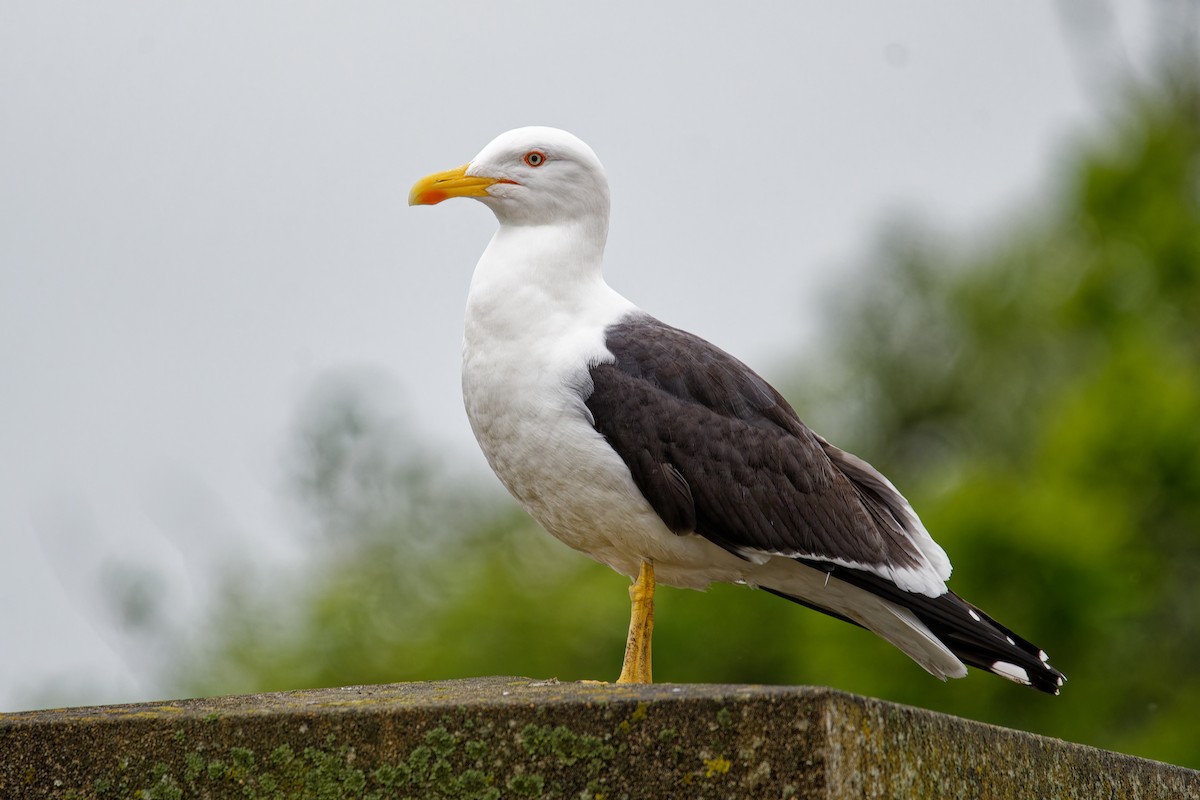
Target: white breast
[527,349]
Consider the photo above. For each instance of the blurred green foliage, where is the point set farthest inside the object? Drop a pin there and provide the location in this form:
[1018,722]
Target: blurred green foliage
[1037,398]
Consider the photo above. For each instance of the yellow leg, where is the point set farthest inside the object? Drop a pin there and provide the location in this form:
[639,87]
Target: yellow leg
[636,668]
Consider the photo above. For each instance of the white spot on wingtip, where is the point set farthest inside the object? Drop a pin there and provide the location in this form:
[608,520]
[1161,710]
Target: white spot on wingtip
[1042,655]
[1009,639]
[974,616]
[1011,671]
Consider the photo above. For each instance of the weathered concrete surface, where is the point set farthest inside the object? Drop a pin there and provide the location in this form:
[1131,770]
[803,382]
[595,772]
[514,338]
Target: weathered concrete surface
[512,738]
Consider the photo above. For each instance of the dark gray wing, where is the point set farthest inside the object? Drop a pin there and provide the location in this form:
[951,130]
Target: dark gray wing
[718,452]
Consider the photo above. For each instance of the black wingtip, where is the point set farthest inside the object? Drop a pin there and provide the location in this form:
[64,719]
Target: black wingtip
[988,645]
[977,639]
[1040,676]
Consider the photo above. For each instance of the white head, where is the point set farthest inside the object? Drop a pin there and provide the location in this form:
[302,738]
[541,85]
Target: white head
[527,176]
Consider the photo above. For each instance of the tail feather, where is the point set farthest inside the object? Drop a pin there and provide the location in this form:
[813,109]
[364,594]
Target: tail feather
[969,633]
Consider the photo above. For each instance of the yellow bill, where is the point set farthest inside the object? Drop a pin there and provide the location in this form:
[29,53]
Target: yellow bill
[433,189]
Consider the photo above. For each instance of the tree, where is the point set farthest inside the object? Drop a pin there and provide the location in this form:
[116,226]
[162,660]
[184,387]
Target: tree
[1047,393]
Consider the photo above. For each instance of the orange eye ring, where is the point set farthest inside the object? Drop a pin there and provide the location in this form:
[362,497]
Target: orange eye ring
[535,158]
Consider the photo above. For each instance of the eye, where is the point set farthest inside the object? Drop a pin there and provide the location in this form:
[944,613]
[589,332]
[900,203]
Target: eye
[535,158]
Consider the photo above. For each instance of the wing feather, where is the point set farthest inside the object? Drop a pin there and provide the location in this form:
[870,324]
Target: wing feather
[718,452]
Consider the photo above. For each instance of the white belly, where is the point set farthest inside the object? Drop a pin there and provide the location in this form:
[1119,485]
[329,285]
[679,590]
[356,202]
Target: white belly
[524,397]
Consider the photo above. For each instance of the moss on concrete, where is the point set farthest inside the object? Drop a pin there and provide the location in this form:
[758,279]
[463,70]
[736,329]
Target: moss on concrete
[499,738]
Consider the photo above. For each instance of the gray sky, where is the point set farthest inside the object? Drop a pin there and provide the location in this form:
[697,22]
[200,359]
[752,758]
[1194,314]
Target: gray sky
[202,210]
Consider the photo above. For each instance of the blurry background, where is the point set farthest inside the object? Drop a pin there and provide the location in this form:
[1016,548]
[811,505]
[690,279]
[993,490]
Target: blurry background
[964,240]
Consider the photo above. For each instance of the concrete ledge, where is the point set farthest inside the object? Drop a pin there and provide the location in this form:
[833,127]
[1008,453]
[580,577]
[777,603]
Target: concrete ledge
[499,738]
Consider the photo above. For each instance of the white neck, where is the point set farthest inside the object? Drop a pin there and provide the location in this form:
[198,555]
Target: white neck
[557,262]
